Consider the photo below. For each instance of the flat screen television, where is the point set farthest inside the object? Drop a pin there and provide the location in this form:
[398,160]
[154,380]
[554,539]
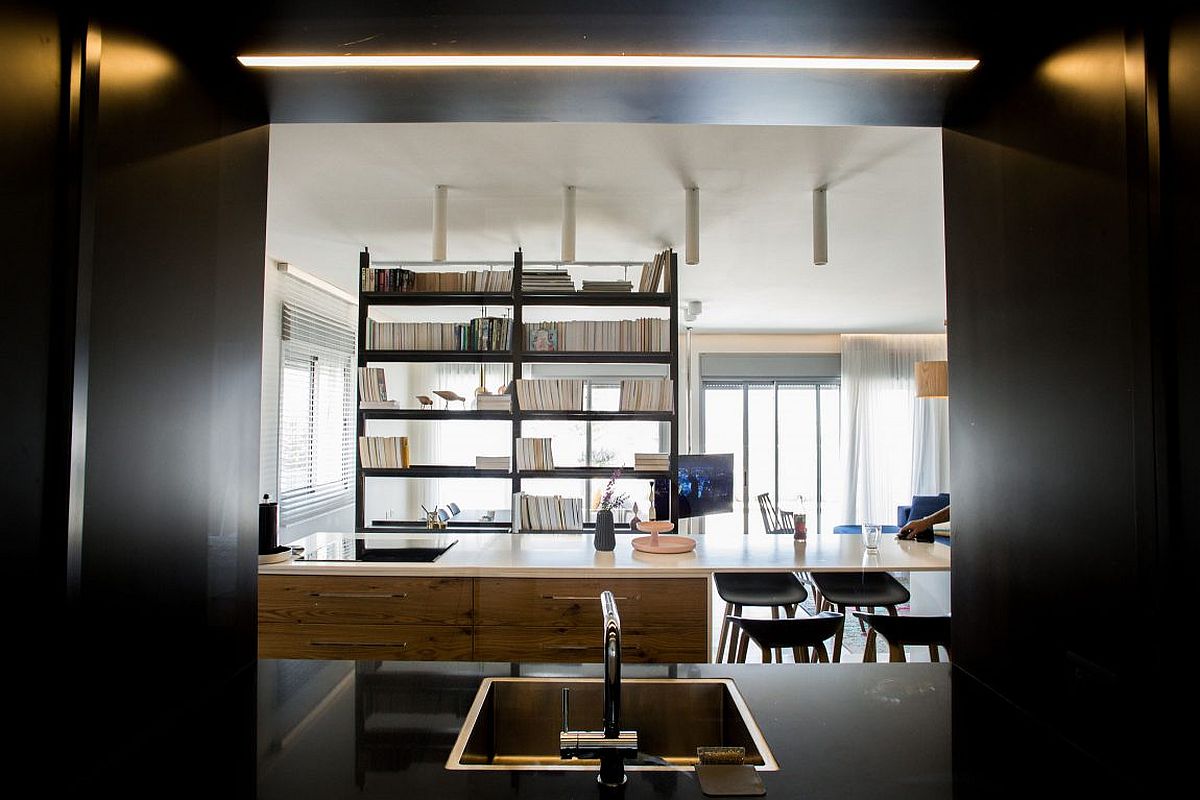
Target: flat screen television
[705,484]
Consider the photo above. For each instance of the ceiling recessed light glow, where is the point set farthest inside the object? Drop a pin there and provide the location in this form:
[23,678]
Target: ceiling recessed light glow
[609,61]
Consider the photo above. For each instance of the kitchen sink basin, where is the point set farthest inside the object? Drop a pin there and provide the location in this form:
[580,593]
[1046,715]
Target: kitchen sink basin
[514,723]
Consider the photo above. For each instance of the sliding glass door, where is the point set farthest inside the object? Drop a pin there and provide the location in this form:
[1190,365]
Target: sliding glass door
[784,435]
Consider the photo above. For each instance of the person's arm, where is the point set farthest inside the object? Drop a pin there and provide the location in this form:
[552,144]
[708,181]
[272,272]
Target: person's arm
[925,523]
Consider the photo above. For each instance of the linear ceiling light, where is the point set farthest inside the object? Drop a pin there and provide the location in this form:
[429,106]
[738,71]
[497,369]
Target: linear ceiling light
[610,61]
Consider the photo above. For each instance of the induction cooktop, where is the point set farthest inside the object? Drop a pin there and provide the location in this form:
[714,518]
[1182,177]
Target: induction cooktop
[380,547]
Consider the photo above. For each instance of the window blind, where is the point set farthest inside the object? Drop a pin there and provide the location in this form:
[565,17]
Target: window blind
[316,414]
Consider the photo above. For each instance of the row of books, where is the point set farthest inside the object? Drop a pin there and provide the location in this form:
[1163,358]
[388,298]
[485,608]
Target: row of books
[655,272]
[607,286]
[398,280]
[550,394]
[372,388]
[647,394]
[645,335]
[546,513]
[651,462]
[491,462]
[383,451]
[546,280]
[493,402]
[480,334]
[534,454]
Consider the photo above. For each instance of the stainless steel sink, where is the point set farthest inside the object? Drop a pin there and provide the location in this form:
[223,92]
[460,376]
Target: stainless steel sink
[514,723]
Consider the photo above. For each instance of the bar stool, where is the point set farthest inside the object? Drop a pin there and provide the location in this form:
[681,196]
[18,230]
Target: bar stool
[767,589]
[868,590]
[932,631]
[799,634]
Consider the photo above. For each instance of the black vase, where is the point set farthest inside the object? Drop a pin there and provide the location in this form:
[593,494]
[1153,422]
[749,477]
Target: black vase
[605,539]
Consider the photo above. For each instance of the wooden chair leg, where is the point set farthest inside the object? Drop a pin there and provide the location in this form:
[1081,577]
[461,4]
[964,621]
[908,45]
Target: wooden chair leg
[869,650]
[801,655]
[933,653]
[892,611]
[820,654]
[724,632]
[837,639]
[743,646]
[778,650]
[735,637]
[766,654]
[896,653]
[862,625]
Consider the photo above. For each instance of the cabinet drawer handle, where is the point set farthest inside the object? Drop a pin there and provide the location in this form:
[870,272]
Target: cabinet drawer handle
[363,595]
[359,644]
[585,647]
[575,597]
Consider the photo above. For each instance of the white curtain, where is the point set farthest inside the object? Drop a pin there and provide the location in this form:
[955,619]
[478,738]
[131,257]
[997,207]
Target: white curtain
[894,445]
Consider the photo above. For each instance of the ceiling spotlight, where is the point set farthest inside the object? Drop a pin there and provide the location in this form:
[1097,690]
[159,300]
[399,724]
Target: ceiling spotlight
[820,228]
[691,245]
[692,310]
[439,223]
[568,225]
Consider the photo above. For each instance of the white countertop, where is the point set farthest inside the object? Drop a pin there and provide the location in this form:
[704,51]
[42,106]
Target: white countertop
[571,554]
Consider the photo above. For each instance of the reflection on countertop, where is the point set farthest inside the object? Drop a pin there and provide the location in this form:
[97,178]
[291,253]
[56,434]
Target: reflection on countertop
[375,729]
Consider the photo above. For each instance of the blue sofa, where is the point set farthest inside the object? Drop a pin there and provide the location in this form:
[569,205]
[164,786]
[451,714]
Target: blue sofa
[922,506]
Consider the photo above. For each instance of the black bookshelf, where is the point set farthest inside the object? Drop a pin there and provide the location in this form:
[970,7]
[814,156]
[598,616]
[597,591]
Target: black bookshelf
[517,301]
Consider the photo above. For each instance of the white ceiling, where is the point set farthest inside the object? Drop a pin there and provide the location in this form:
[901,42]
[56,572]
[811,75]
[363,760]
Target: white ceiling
[336,187]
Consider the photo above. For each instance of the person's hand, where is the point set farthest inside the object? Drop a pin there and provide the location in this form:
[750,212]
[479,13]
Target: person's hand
[914,527]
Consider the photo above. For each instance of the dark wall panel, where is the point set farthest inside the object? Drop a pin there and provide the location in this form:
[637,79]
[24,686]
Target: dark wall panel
[1042,278]
[172,461]
[29,129]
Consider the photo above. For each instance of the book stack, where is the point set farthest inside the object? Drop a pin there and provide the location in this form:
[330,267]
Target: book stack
[645,335]
[491,462]
[657,271]
[493,402]
[534,455]
[537,281]
[651,462]
[550,394]
[372,389]
[608,286]
[543,513]
[654,394]
[383,452]
[398,280]
[480,334]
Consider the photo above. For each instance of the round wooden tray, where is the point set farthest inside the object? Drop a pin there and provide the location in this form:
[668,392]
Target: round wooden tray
[654,543]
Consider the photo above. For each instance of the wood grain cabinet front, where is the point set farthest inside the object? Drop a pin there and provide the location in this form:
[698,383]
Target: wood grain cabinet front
[558,620]
[365,642]
[363,600]
[551,602]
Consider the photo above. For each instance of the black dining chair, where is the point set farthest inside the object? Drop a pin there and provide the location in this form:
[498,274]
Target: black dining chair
[739,590]
[933,631]
[799,634]
[864,590]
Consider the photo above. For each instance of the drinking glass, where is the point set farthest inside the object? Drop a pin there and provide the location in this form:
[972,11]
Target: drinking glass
[871,535]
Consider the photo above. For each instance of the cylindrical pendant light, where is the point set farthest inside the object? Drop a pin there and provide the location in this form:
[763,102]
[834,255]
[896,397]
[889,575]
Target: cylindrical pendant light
[439,223]
[568,225]
[820,228]
[691,245]
[932,378]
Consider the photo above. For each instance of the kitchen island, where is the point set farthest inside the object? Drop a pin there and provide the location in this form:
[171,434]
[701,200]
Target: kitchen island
[378,729]
[533,596]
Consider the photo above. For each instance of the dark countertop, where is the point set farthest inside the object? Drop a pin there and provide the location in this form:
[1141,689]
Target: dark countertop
[352,730]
